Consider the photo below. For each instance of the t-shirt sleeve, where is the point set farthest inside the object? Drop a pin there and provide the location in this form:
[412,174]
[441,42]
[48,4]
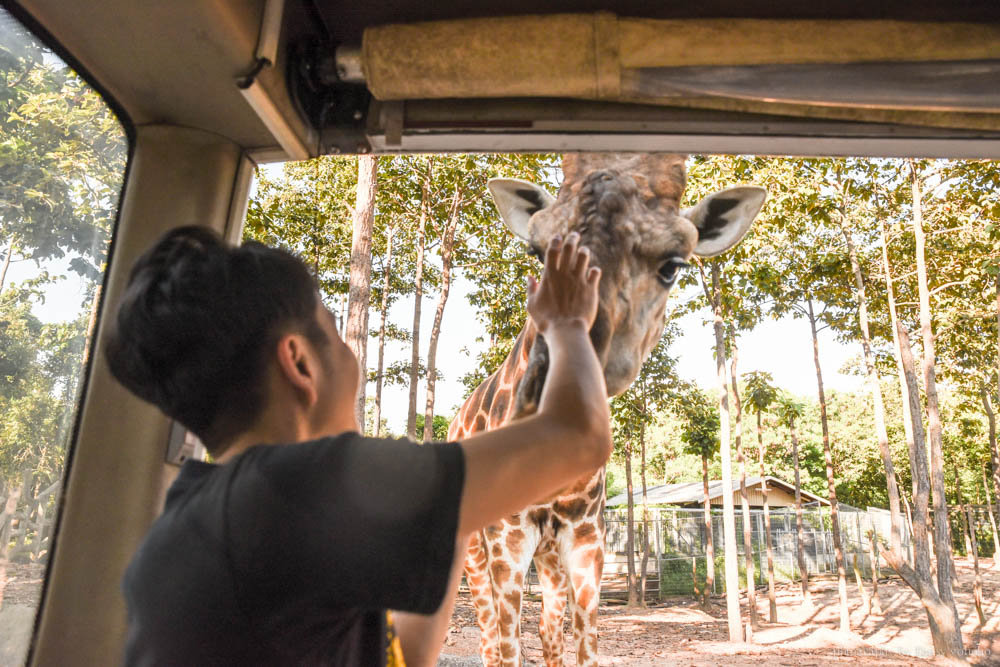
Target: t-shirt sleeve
[346,522]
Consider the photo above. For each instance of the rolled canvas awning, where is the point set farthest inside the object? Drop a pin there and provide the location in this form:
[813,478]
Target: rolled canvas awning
[911,73]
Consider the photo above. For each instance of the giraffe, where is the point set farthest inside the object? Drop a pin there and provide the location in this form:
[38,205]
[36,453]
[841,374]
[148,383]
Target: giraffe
[626,209]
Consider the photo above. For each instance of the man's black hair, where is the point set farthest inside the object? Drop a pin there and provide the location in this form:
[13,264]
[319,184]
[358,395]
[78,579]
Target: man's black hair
[195,325]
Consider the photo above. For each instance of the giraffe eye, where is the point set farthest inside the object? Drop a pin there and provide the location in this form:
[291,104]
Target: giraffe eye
[669,271]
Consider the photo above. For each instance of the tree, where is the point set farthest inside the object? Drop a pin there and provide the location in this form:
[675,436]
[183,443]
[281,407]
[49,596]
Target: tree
[760,394]
[654,390]
[789,411]
[748,551]
[307,211]
[62,159]
[426,173]
[700,435]
[801,270]
[942,531]
[359,295]
[725,451]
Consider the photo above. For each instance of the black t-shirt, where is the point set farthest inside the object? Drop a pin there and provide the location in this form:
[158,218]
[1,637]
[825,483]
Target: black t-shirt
[290,554]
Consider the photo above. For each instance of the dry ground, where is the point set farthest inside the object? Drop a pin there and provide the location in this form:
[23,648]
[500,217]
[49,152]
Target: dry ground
[677,632]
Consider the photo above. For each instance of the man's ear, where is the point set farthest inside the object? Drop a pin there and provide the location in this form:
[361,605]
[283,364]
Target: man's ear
[517,201]
[723,218]
[297,366]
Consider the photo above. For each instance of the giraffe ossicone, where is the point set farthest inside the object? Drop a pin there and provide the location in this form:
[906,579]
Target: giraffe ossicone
[626,207]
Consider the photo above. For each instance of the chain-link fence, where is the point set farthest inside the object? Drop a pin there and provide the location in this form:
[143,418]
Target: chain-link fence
[677,539]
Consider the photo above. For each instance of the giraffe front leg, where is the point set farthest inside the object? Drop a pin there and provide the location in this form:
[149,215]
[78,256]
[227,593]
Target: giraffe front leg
[586,567]
[477,575]
[510,556]
[552,580]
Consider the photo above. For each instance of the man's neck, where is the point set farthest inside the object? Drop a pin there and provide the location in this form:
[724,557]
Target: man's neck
[269,433]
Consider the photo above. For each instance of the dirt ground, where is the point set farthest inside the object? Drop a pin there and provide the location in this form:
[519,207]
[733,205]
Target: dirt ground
[677,632]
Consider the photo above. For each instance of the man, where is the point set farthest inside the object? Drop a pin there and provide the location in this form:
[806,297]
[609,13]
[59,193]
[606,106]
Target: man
[290,546]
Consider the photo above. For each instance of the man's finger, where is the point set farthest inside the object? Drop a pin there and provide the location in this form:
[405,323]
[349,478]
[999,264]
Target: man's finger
[582,261]
[594,274]
[552,252]
[569,251]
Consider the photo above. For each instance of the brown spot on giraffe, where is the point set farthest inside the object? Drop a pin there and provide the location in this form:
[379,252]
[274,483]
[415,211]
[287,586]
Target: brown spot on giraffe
[571,510]
[585,534]
[514,540]
[538,517]
[626,208]
[501,572]
[585,596]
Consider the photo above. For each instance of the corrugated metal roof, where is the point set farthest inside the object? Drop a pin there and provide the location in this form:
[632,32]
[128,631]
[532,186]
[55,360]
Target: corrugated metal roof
[693,492]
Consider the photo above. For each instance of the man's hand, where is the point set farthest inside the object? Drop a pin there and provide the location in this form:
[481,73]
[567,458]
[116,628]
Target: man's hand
[567,294]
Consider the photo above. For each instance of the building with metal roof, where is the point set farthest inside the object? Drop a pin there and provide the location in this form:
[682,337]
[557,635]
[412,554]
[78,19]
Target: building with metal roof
[691,494]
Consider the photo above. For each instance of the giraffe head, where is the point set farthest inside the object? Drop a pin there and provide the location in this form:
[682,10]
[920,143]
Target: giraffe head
[626,207]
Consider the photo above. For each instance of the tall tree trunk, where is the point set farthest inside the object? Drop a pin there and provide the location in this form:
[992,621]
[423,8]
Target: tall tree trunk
[994,449]
[977,590]
[418,287]
[754,623]
[874,386]
[942,530]
[6,521]
[893,321]
[873,556]
[772,602]
[946,632]
[359,295]
[995,461]
[706,599]
[963,514]
[838,550]
[866,602]
[645,504]
[732,574]
[447,253]
[993,520]
[799,532]
[6,263]
[384,312]
[91,328]
[633,598]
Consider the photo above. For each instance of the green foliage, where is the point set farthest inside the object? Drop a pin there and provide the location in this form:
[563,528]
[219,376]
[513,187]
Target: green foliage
[62,159]
[441,424]
[700,430]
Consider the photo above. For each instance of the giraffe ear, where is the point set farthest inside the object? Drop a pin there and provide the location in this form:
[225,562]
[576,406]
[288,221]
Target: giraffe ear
[723,218]
[517,201]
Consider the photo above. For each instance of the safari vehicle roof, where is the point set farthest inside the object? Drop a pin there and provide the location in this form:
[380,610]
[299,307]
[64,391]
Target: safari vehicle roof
[178,62]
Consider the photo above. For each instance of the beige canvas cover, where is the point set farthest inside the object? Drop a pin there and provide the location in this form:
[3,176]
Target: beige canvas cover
[604,57]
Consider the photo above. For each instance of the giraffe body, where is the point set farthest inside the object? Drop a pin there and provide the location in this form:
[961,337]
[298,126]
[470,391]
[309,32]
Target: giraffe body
[626,209]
